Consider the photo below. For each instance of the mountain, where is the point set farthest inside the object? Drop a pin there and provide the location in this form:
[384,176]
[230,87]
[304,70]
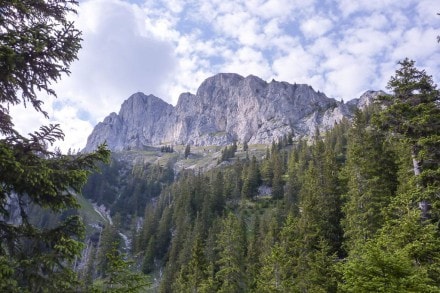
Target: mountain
[227,107]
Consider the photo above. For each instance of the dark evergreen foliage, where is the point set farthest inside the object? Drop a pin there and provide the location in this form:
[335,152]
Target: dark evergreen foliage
[126,191]
[187,151]
[228,152]
[37,45]
[167,149]
[342,215]
[338,213]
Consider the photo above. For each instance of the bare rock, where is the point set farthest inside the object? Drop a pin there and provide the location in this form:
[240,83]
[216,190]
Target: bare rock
[227,107]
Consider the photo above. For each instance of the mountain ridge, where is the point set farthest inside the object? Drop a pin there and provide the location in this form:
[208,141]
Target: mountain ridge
[227,107]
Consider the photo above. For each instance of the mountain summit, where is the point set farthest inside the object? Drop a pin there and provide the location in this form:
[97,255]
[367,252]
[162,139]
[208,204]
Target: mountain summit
[227,107]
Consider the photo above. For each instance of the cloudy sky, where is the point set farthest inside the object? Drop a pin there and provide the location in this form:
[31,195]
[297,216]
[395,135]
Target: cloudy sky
[166,47]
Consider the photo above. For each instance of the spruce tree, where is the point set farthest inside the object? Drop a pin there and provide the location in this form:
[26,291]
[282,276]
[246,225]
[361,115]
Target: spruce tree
[253,255]
[251,181]
[277,273]
[404,255]
[412,113]
[38,43]
[120,275]
[318,227]
[231,246]
[194,275]
[187,151]
[277,180]
[108,239]
[267,169]
[371,182]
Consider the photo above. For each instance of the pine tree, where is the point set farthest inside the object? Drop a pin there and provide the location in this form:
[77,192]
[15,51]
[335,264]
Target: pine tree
[314,232]
[267,169]
[149,256]
[217,193]
[319,198]
[253,255]
[293,186]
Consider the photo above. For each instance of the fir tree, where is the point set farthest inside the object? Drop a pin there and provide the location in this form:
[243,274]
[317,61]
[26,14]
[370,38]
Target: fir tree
[413,113]
[187,151]
[404,255]
[231,246]
[251,180]
[278,172]
[120,277]
[37,45]
[277,273]
[194,275]
[371,183]
[245,146]
[295,170]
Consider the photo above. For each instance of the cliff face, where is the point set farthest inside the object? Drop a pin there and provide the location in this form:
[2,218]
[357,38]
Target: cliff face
[226,107]
[142,121]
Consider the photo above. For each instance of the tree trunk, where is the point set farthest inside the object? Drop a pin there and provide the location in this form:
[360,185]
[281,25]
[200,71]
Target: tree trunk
[416,162]
[423,205]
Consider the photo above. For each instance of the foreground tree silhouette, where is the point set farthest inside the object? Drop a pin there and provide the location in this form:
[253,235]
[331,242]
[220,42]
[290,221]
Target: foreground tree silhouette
[412,115]
[404,254]
[37,45]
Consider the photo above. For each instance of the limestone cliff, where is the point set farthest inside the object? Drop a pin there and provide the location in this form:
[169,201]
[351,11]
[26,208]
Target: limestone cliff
[226,107]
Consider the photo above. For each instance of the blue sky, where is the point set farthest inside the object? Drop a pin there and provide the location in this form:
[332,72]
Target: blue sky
[339,47]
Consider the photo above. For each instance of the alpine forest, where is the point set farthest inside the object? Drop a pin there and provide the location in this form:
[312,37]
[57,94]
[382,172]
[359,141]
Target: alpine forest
[355,208]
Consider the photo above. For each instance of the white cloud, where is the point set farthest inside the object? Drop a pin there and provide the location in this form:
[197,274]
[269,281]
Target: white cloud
[376,21]
[247,61]
[316,26]
[416,44]
[349,7]
[280,9]
[119,57]
[27,120]
[240,26]
[298,66]
[427,12]
[347,76]
[365,42]
[166,47]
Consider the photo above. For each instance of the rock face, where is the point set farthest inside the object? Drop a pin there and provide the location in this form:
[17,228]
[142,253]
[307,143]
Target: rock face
[142,121]
[226,107]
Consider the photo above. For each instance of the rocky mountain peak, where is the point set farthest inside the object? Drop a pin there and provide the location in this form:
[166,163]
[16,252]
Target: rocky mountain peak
[226,107]
[365,99]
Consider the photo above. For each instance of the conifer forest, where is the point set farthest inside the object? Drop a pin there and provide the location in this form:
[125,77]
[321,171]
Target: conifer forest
[354,209]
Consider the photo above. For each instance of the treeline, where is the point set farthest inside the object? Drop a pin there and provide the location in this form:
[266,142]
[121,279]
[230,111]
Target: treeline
[124,190]
[353,210]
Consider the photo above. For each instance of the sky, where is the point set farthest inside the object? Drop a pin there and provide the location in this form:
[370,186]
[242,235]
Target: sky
[166,47]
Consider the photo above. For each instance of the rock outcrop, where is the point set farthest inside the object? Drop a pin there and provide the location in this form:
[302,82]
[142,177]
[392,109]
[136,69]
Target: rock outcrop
[226,107]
